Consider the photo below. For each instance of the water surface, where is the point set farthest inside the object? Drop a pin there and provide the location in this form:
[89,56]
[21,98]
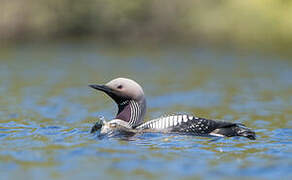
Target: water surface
[47,110]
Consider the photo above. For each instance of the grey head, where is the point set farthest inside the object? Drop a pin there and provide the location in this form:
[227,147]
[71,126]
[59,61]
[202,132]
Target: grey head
[129,97]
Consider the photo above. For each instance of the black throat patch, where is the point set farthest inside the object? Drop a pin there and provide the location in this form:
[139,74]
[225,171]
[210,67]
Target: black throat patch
[124,112]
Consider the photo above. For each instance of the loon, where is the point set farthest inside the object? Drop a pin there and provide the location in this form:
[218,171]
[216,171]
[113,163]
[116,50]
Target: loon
[130,99]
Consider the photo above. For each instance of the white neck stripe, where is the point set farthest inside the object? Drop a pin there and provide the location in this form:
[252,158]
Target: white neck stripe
[135,112]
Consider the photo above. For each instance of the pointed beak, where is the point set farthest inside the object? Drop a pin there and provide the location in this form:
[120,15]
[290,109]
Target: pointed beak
[109,91]
[103,88]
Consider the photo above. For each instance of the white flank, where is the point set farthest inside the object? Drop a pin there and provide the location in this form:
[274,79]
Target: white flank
[151,125]
[163,122]
[166,122]
[171,121]
[157,125]
[160,124]
[175,120]
[218,135]
[185,118]
[179,119]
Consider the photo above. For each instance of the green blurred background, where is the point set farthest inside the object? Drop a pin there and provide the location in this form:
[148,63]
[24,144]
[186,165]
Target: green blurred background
[261,25]
[219,59]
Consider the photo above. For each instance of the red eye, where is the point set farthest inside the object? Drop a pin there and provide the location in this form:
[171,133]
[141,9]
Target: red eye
[120,87]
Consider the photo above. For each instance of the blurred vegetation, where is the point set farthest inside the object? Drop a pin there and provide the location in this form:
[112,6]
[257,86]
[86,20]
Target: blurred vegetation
[239,23]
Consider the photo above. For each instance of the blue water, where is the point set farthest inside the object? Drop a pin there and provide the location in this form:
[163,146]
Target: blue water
[47,111]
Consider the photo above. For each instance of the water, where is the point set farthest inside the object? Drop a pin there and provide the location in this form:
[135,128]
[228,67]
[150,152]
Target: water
[47,111]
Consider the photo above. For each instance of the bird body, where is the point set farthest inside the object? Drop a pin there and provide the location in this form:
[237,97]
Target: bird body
[131,102]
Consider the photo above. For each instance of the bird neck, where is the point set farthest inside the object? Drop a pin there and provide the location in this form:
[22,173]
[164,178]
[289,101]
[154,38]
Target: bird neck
[132,112]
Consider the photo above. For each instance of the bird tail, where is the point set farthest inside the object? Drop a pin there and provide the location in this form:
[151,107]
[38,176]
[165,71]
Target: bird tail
[243,131]
[235,129]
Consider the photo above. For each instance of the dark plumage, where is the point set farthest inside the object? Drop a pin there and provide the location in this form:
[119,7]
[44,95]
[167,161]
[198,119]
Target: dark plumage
[131,102]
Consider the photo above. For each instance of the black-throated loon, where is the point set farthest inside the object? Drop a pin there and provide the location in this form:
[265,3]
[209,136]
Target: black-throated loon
[130,98]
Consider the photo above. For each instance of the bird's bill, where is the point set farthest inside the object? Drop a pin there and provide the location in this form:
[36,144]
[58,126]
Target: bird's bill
[112,93]
[115,95]
[103,88]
